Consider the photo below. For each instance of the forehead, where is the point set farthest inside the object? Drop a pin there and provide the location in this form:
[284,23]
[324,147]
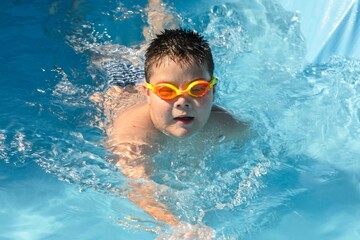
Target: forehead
[170,70]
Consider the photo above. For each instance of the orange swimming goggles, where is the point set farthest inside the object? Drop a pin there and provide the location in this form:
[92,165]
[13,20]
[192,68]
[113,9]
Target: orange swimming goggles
[196,88]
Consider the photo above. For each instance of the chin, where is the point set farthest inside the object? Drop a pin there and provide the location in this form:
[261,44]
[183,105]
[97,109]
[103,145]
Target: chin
[180,135]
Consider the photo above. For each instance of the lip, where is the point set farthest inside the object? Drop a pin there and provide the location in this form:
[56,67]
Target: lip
[184,119]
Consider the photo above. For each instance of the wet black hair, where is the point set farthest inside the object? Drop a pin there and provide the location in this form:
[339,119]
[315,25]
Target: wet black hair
[185,47]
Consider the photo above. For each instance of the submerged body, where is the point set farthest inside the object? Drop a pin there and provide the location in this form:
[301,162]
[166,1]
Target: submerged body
[145,128]
[157,121]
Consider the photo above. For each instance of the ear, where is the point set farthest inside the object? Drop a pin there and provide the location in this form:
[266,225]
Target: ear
[145,89]
[147,92]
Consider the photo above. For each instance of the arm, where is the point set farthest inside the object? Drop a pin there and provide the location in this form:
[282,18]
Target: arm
[133,139]
[134,163]
[158,19]
[128,143]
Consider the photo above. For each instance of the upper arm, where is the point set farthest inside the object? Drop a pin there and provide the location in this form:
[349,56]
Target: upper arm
[133,160]
[129,138]
[133,125]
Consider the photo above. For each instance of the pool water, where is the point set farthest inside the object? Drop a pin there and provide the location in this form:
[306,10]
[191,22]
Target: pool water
[295,80]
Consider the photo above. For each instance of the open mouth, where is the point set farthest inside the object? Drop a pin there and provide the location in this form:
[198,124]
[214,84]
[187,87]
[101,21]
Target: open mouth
[185,120]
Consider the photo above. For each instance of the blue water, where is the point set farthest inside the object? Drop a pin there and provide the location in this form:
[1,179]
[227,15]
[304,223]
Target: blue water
[295,79]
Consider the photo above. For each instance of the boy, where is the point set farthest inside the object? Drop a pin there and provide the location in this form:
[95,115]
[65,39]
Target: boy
[177,111]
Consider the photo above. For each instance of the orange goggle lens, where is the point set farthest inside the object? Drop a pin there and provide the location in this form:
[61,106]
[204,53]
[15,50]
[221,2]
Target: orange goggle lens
[168,91]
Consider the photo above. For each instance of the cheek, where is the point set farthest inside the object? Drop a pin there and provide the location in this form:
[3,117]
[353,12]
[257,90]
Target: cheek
[159,108]
[205,107]
[206,103]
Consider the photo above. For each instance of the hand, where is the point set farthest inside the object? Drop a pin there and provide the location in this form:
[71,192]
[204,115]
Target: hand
[191,232]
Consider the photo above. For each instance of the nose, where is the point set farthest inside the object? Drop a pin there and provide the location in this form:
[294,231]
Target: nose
[183,102]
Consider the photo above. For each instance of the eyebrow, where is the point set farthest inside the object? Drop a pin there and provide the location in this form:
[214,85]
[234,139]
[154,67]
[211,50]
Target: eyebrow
[176,83]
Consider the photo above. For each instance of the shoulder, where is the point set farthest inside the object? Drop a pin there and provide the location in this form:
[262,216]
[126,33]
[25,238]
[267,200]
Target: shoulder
[133,125]
[221,116]
[136,113]
[223,123]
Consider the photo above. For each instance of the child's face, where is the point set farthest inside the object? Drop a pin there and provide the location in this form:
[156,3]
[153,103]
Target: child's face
[184,115]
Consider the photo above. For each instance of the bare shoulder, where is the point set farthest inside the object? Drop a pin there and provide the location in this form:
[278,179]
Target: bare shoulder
[222,123]
[132,125]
